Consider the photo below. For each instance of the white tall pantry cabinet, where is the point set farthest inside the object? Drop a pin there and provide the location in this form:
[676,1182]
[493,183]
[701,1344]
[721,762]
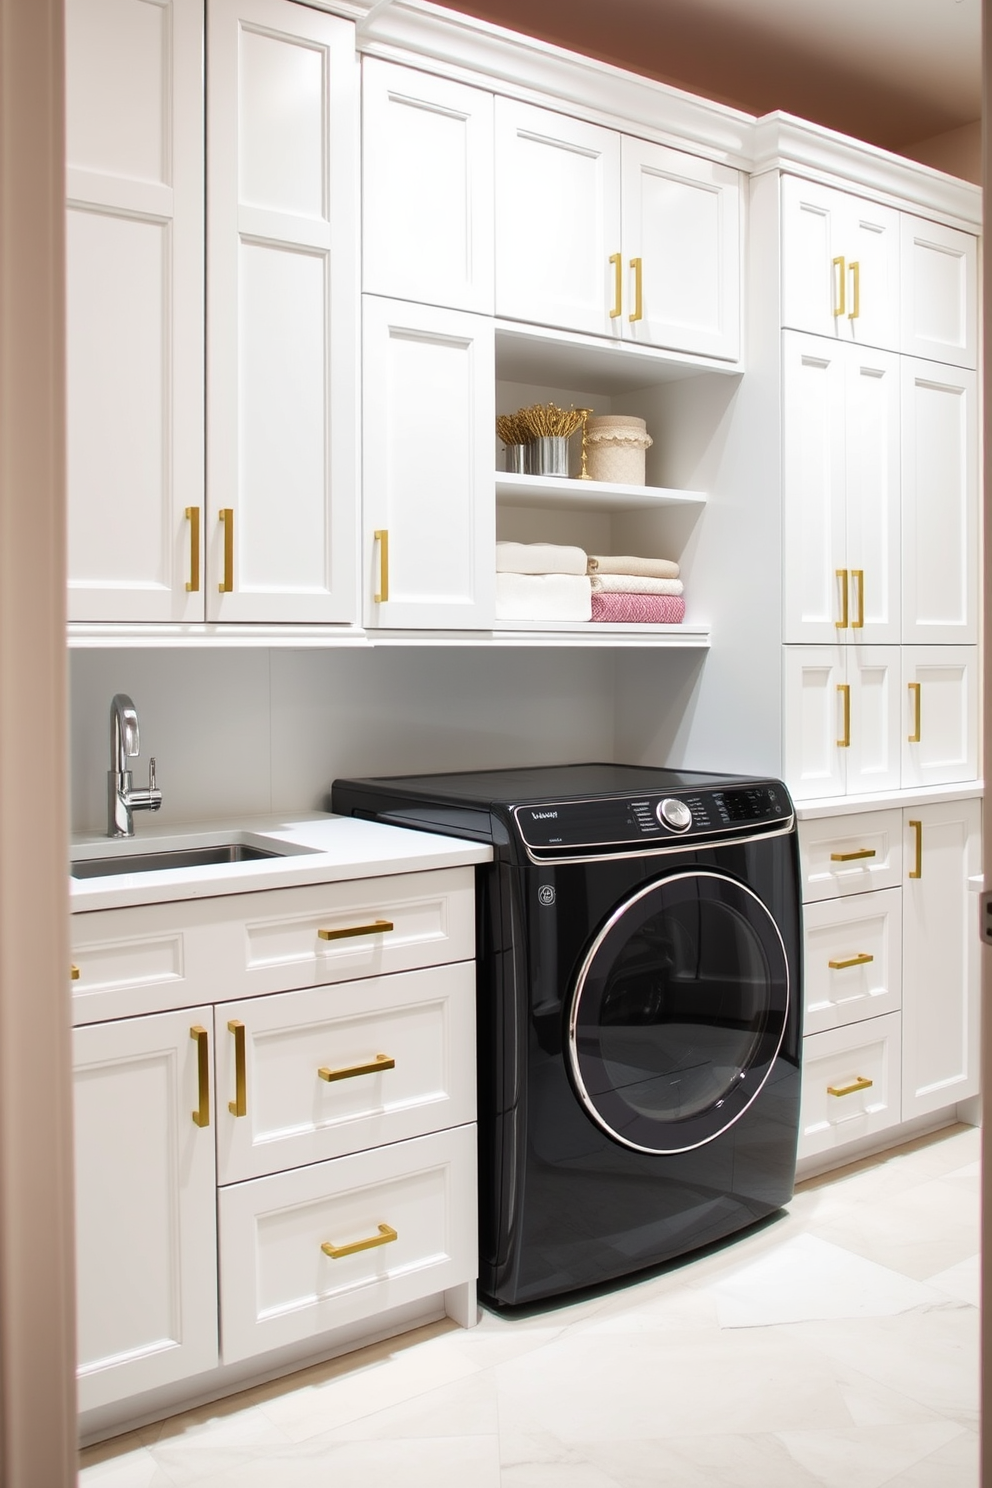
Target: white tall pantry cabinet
[307,265]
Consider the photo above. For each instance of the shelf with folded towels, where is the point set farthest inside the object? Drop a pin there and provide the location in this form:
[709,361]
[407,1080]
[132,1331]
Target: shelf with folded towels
[555,490]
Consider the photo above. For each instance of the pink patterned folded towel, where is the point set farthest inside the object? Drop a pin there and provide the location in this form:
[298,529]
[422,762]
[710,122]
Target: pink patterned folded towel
[639,609]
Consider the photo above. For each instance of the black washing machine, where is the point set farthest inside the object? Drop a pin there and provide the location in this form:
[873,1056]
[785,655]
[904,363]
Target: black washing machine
[639,1009]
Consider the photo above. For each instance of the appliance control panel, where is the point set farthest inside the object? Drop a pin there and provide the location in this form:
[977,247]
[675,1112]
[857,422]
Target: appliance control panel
[654,818]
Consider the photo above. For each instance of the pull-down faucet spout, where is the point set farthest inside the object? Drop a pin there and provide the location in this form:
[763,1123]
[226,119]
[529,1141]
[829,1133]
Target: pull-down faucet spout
[123,799]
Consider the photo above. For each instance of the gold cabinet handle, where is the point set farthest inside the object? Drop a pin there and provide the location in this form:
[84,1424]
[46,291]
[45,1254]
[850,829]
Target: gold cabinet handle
[858,577]
[201,1115]
[862,852]
[385,1235]
[617,263]
[844,620]
[861,960]
[856,277]
[916,689]
[917,872]
[838,264]
[381,536]
[227,520]
[859,1084]
[346,932]
[380,1062]
[239,1105]
[193,582]
[74,973]
[638,311]
[844,688]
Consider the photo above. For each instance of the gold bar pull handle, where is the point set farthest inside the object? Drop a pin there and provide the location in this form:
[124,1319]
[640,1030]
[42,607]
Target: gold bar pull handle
[346,932]
[862,960]
[917,872]
[74,972]
[227,520]
[916,689]
[855,269]
[193,582]
[845,607]
[858,578]
[201,1116]
[381,536]
[336,1252]
[844,689]
[617,263]
[239,1105]
[862,852]
[859,1084]
[380,1062]
[841,286]
[638,311]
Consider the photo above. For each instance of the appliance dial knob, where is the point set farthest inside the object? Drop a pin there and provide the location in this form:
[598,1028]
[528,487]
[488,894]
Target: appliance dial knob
[675,814]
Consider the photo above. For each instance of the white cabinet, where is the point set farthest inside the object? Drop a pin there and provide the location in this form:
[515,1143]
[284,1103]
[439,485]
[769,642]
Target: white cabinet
[134,309]
[852,967]
[145,1203]
[940,709]
[608,234]
[840,265]
[841,492]
[939,292]
[842,719]
[281,302]
[941,981]
[851,1084]
[939,503]
[428,425]
[427,188]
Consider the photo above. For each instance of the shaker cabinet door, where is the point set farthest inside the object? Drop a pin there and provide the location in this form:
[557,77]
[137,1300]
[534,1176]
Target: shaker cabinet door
[939,709]
[282,305]
[134,309]
[939,292]
[427,188]
[815,601]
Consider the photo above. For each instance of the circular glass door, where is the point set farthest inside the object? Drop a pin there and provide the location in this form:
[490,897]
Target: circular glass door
[678,1012]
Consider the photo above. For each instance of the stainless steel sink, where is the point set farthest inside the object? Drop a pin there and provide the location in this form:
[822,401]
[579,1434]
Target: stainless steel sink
[156,862]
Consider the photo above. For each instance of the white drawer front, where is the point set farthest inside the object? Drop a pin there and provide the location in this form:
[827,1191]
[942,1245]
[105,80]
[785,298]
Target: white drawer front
[400,1051]
[850,854]
[838,1106]
[160,956]
[279,1286]
[853,963]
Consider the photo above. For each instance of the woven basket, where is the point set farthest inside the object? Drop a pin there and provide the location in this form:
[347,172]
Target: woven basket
[616,443]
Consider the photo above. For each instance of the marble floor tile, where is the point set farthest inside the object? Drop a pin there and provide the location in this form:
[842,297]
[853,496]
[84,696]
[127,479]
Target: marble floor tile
[466,1408]
[963,1281]
[807,1277]
[112,1465]
[953,1466]
[705,1461]
[919,1232]
[866,1456]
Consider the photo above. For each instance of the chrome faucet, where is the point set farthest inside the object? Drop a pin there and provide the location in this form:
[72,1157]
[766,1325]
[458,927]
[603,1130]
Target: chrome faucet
[122,798]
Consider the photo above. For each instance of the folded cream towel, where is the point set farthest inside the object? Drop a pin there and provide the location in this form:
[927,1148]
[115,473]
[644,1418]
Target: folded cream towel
[648,568]
[553,597]
[634,584]
[539,558]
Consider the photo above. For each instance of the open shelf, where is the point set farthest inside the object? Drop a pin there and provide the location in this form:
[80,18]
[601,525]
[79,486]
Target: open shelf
[556,490]
[542,354]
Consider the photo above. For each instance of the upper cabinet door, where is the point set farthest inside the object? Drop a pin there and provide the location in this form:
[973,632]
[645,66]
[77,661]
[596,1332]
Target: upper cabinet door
[429,412]
[816,600]
[872,464]
[681,238]
[282,302]
[134,178]
[939,292]
[840,265]
[558,252]
[940,504]
[427,188]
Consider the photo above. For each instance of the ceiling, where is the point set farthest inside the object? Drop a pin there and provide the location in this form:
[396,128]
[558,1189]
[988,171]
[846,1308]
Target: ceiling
[893,72]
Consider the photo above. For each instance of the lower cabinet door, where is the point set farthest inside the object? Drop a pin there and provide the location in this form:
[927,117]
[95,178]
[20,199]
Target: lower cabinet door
[940,702]
[853,961]
[146,1262]
[851,1084]
[319,1247]
[942,950]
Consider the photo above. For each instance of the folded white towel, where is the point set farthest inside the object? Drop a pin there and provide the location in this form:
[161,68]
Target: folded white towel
[652,568]
[543,597]
[634,584]
[539,558]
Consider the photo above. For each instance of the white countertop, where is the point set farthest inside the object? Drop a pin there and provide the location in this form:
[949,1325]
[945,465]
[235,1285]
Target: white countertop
[924,795]
[326,849]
